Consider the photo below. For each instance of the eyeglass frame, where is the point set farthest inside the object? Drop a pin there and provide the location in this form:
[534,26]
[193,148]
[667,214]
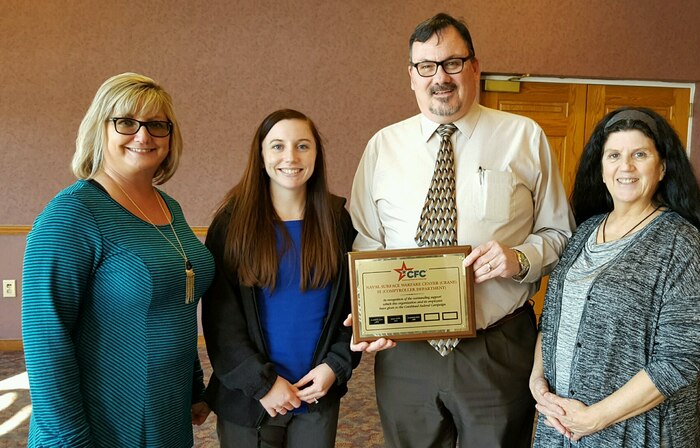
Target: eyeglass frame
[142,124]
[439,64]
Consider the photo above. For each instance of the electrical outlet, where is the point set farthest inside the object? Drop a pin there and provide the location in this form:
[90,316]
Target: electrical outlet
[8,288]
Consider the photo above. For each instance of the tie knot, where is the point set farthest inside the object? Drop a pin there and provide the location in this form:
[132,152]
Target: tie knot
[446,130]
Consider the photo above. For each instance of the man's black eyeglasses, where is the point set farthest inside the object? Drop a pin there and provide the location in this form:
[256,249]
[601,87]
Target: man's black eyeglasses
[451,66]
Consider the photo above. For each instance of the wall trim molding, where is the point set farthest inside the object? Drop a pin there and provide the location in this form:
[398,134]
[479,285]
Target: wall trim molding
[16,345]
[23,230]
[15,230]
[200,231]
[11,345]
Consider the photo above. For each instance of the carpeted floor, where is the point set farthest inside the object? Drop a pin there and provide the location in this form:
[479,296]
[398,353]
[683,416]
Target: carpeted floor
[358,426]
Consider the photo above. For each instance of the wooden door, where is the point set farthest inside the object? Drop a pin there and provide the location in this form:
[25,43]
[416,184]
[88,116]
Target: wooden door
[560,109]
[568,114]
[671,103]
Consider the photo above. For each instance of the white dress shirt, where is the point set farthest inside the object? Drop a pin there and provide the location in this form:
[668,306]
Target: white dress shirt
[508,190]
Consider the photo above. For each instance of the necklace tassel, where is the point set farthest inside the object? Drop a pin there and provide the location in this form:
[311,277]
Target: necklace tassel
[189,283]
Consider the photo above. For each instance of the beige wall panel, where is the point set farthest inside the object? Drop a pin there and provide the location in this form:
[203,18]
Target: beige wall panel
[228,63]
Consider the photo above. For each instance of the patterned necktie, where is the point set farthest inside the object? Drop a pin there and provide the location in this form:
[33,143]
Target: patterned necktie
[438,221]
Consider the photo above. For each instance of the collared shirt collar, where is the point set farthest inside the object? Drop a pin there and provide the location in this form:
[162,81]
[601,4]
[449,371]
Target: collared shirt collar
[465,125]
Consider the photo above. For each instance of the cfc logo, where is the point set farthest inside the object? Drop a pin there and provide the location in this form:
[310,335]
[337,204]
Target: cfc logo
[409,272]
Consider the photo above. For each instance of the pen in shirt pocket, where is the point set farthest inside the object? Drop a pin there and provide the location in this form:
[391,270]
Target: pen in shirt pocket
[480,172]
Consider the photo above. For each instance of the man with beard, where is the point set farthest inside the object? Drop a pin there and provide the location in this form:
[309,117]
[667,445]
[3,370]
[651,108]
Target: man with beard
[501,194]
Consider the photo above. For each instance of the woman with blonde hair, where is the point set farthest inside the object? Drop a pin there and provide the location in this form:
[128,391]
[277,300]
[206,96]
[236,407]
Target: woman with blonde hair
[112,277]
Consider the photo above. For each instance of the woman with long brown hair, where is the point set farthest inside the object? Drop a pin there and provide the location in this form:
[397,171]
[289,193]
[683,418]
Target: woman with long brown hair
[273,316]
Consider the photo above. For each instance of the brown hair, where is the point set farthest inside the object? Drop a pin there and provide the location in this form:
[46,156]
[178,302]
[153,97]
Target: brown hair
[251,246]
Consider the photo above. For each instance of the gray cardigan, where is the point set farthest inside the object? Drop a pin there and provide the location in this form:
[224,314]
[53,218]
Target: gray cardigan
[641,312]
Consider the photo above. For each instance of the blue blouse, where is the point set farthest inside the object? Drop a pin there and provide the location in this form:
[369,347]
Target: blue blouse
[292,319]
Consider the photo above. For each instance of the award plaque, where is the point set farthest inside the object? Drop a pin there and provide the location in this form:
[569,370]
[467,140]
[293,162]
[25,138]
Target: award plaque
[412,294]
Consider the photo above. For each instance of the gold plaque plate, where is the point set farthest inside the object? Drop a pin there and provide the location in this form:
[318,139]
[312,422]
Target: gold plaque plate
[412,294]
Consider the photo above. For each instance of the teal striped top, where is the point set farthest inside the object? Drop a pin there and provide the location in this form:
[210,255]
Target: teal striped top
[110,344]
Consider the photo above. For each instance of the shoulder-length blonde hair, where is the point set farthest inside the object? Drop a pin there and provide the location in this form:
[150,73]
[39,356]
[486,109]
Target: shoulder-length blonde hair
[124,95]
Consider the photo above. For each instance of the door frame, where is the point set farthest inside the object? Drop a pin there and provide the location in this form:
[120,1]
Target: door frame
[608,82]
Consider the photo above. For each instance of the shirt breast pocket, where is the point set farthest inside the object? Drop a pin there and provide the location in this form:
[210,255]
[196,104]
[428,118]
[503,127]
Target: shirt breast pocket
[495,195]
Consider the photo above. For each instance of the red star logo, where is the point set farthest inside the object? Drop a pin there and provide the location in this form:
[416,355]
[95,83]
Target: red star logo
[402,270]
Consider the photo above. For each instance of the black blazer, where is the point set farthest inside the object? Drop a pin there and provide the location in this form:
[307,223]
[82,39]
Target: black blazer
[243,373]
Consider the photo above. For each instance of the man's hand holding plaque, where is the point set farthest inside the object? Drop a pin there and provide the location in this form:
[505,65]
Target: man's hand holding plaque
[369,347]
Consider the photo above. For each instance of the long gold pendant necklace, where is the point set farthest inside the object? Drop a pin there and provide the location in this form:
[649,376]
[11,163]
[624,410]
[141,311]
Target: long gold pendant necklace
[189,272]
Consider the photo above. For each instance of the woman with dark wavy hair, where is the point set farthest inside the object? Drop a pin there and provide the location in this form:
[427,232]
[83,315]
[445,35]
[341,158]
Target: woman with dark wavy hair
[618,357]
[273,316]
